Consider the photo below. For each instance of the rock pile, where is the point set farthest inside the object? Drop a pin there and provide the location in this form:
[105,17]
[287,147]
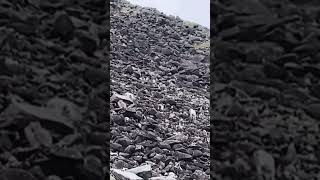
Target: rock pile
[159,71]
[265,93]
[53,63]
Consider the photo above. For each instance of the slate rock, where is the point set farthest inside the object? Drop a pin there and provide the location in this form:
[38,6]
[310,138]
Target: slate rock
[118,119]
[273,71]
[164,145]
[67,153]
[313,110]
[98,138]
[124,141]
[235,110]
[37,135]
[315,90]
[151,111]
[94,76]
[48,115]
[144,171]
[24,28]
[120,164]
[5,140]
[88,42]
[129,69]
[264,160]
[182,156]
[116,146]
[125,175]
[13,174]
[63,25]
[130,149]
[92,168]
[197,153]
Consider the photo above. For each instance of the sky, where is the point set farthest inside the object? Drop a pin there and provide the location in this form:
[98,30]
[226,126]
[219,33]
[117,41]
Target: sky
[197,11]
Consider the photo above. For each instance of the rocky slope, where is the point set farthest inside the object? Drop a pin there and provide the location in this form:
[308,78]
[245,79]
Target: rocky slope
[53,63]
[265,94]
[159,71]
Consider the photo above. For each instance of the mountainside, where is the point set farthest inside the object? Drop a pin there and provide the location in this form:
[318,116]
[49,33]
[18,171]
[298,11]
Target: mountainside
[53,59]
[159,71]
[265,95]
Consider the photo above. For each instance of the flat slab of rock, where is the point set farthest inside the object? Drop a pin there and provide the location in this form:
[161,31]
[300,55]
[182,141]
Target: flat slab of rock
[143,171]
[124,175]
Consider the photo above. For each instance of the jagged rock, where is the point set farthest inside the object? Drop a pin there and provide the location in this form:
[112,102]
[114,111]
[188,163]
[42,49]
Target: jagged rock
[130,149]
[142,171]
[313,110]
[94,76]
[182,156]
[118,119]
[88,43]
[124,175]
[63,24]
[265,164]
[37,135]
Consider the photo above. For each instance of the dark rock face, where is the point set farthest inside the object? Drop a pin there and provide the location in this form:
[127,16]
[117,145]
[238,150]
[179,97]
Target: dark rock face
[53,74]
[264,89]
[164,63]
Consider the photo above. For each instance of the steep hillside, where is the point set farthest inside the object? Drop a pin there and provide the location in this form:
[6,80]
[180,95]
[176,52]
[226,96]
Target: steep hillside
[164,63]
[265,97]
[53,59]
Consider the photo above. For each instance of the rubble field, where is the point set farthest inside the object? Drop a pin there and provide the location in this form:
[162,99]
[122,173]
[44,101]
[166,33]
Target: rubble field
[159,95]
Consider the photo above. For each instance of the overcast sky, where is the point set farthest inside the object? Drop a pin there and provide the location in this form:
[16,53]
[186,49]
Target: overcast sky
[197,11]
